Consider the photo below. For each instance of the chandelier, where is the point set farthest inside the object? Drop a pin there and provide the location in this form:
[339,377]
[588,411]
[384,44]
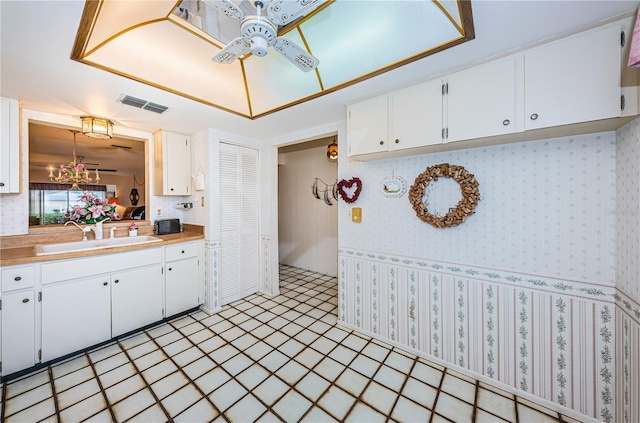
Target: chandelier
[74,173]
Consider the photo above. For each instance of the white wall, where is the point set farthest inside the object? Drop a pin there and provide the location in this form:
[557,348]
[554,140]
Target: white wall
[307,226]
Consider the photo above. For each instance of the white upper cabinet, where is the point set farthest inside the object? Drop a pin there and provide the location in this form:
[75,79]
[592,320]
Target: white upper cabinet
[416,116]
[569,81]
[481,101]
[9,146]
[172,164]
[575,79]
[407,118]
[367,126]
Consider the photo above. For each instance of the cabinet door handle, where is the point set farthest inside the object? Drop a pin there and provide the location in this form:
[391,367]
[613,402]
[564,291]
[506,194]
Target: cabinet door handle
[397,141]
[170,269]
[1,184]
[105,283]
[171,189]
[17,278]
[534,116]
[381,142]
[506,122]
[117,280]
[26,300]
[182,251]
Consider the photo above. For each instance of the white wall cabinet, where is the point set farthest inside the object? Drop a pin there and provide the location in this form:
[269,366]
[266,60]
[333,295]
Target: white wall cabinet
[182,287]
[407,118]
[172,164]
[239,230]
[75,315]
[136,298]
[481,101]
[575,79]
[9,146]
[572,80]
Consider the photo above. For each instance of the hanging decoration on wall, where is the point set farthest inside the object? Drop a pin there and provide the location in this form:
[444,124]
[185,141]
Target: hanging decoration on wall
[466,206]
[328,190]
[393,186]
[348,184]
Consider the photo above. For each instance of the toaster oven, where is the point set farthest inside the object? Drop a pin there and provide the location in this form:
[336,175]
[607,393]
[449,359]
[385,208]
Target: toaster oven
[166,226]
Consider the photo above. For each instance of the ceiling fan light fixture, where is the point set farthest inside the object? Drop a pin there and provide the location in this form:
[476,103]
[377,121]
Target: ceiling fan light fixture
[97,127]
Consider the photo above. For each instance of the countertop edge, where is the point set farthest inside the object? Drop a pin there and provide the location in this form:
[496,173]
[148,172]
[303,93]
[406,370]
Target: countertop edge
[26,255]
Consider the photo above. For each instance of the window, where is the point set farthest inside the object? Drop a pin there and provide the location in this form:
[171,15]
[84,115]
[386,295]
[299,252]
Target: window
[49,206]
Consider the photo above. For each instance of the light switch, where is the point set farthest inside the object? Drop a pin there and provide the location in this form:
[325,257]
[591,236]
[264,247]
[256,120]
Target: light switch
[356,214]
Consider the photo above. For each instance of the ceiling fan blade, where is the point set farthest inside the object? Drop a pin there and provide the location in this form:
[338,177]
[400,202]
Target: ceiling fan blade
[281,12]
[226,7]
[296,54]
[236,48]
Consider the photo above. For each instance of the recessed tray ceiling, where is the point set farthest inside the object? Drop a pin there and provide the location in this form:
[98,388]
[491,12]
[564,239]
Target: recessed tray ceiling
[159,44]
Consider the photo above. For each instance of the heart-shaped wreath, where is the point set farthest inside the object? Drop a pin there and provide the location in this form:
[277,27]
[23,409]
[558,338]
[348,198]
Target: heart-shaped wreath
[348,184]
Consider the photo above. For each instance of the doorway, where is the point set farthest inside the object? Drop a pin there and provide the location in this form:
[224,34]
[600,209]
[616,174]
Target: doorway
[308,217]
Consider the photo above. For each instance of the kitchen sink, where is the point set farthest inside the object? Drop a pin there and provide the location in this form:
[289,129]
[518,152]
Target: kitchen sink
[98,244]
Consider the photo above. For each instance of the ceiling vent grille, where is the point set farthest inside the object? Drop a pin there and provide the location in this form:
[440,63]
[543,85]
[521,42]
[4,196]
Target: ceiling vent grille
[142,104]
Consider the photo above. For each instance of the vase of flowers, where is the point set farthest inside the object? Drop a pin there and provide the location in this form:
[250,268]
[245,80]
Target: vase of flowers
[94,210]
[133,229]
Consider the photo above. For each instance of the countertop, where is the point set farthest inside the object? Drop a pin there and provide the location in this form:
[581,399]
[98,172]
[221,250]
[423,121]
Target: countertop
[26,254]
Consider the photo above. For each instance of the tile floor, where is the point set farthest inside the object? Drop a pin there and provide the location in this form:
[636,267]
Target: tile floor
[259,359]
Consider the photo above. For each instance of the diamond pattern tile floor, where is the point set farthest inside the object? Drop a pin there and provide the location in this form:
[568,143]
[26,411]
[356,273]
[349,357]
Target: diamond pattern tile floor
[259,359]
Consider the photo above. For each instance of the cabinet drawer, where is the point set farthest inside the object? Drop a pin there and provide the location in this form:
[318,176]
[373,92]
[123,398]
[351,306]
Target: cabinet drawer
[65,270]
[17,278]
[180,251]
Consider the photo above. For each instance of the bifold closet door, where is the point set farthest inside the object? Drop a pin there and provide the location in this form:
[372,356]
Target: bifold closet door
[239,239]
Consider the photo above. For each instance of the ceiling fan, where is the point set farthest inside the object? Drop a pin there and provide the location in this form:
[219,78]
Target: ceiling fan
[260,32]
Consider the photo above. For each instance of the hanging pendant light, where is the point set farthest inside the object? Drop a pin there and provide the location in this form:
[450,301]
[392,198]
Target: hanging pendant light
[97,127]
[74,173]
[332,151]
[133,195]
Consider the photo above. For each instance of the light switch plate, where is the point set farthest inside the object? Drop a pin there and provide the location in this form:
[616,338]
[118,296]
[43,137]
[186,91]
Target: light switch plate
[356,214]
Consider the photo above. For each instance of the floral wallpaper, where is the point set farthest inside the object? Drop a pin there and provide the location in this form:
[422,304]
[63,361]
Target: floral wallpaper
[627,210]
[546,207]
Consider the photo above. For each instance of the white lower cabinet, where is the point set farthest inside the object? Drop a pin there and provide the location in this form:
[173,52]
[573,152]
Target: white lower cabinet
[181,285]
[18,331]
[136,299]
[182,277]
[18,326]
[75,315]
[63,306]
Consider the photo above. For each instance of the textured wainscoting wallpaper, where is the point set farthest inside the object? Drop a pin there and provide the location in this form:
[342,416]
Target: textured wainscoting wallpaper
[546,208]
[549,337]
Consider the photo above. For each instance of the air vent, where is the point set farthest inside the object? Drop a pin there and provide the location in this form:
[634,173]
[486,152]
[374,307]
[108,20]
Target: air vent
[142,104]
[157,108]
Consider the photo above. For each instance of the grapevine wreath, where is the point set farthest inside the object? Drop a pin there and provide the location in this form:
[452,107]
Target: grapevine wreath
[466,206]
[348,184]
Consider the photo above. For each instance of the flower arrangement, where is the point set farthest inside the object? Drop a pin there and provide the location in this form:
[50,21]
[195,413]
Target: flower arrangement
[133,226]
[94,210]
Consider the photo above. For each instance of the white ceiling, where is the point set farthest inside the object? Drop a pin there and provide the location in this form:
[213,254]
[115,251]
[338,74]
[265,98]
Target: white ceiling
[37,38]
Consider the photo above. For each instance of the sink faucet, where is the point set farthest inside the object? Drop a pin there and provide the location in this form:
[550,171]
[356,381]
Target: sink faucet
[84,230]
